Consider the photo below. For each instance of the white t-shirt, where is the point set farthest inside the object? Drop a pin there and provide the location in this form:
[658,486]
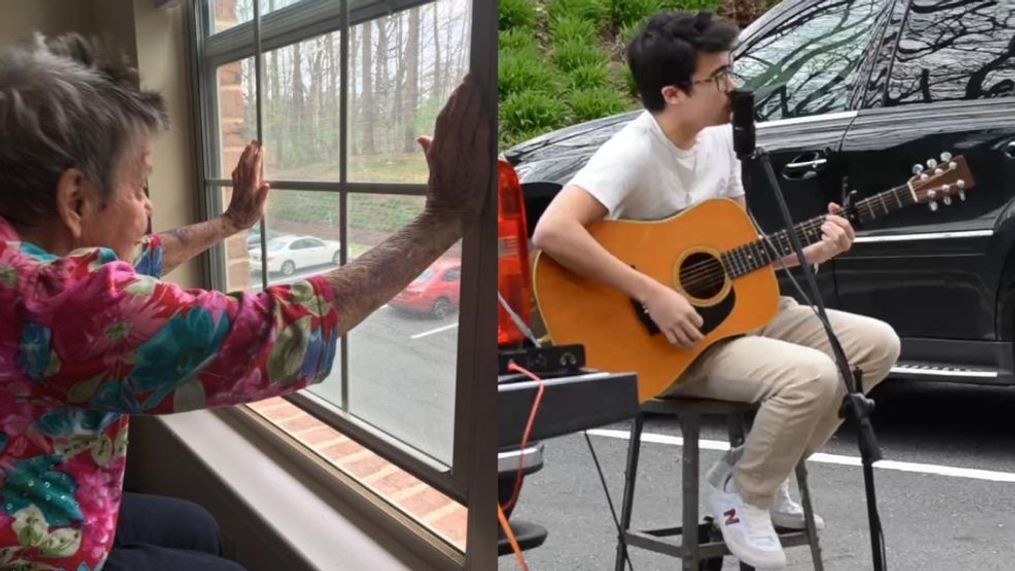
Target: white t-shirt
[639,174]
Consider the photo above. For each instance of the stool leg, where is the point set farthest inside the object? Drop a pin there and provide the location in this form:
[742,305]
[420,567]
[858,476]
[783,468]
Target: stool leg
[812,532]
[633,448]
[690,428]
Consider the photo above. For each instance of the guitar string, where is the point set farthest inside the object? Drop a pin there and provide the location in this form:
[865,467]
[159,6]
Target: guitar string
[712,275]
[707,274]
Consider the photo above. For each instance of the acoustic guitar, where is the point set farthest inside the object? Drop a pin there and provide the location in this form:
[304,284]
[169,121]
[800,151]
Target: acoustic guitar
[712,254]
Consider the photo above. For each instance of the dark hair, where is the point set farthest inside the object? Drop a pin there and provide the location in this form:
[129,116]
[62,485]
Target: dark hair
[65,104]
[665,51]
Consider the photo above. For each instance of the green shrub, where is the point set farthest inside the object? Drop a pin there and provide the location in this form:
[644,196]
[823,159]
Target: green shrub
[514,14]
[573,28]
[571,55]
[596,12]
[586,77]
[625,13]
[529,111]
[517,40]
[588,104]
[520,71]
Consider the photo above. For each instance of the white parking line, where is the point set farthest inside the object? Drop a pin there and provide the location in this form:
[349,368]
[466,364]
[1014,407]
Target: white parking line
[821,457]
[432,331]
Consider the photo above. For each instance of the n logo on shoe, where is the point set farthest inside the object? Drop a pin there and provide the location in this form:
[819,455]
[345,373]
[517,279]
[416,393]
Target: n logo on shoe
[731,517]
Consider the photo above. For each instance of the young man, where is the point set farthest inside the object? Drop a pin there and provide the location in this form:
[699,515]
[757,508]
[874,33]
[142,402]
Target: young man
[678,153]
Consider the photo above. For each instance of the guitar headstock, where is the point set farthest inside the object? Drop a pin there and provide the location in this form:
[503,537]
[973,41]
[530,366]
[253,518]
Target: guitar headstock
[941,180]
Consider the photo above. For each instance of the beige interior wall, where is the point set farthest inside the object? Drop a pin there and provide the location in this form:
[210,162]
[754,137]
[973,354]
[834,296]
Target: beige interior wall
[51,17]
[113,23]
[163,58]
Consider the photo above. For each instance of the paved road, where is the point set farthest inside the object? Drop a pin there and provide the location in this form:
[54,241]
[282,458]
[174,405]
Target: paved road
[402,374]
[932,521]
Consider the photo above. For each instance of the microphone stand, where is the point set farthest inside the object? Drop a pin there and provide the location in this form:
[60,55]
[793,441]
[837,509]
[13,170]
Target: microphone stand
[855,404]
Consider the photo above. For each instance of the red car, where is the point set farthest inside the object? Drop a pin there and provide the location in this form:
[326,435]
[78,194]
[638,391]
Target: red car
[435,291]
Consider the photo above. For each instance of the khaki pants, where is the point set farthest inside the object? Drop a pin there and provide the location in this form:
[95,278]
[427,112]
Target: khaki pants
[787,366]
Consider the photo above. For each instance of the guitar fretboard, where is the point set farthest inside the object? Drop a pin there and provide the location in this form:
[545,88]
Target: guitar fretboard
[754,255]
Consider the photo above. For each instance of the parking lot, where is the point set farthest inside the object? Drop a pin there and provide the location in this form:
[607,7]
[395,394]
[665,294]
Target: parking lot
[945,498]
[401,372]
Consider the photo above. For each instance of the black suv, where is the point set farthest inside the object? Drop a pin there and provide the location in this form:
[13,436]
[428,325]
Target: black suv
[852,94]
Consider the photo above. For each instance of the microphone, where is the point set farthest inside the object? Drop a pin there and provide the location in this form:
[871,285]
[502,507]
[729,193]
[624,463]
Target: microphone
[742,102]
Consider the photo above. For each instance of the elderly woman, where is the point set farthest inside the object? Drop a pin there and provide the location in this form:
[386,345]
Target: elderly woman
[89,334]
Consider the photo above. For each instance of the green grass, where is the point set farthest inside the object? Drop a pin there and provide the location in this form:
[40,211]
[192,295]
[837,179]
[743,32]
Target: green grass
[369,211]
[514,14]
[564,61]
[390,167]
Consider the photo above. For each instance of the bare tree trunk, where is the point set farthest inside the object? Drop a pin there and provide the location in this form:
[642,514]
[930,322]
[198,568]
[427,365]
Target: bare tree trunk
[367,103]
[331,115]
[299,112]
[353,112]
[317,83]
[412,79]
[274,104]
[399,87]
[381,88]
[437,89]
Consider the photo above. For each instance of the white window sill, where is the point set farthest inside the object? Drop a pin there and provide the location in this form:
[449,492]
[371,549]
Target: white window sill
[271,508]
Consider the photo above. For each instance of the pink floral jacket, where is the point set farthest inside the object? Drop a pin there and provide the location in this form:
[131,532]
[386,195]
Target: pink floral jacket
[86,340]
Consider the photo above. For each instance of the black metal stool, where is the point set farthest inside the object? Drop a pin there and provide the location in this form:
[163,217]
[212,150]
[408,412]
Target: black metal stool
[706,547]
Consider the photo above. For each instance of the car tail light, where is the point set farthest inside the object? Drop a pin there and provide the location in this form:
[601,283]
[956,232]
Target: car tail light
[513,281]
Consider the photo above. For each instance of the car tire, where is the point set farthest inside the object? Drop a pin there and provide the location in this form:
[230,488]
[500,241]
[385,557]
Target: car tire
[441,307]
[288,267]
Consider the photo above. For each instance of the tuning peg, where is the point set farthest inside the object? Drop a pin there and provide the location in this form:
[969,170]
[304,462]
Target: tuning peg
[924,176]
[917,168]
[962,195]
[938,172]
[931,163]
[946,157]
[932,194]
[952,165]
[933,206]
[947,200]
[961,184]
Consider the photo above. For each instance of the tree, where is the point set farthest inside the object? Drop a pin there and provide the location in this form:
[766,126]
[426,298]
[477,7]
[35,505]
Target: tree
[367,101]
[411,80]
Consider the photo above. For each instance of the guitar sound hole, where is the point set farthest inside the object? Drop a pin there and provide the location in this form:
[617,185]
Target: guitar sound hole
[702,276]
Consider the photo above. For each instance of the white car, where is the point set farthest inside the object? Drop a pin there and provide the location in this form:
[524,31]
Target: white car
[286,254]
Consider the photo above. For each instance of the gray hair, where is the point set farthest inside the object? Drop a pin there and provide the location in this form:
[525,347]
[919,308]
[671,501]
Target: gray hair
[65,104]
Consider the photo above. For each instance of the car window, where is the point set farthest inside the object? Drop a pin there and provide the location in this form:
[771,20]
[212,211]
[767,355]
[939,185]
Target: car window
[276,246]
[426,275]
[809,62]
[453,275]
[313,243]
[954,50]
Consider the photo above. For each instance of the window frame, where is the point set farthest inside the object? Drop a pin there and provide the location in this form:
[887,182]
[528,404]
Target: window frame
[469,479]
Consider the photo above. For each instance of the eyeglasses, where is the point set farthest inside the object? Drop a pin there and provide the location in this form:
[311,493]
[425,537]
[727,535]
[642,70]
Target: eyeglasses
[724,79]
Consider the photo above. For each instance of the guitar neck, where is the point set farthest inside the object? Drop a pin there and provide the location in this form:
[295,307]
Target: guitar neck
[760,253]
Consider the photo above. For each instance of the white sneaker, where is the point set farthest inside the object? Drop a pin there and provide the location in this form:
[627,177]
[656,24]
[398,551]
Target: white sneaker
[785,512]
[747,530]
[789,514]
